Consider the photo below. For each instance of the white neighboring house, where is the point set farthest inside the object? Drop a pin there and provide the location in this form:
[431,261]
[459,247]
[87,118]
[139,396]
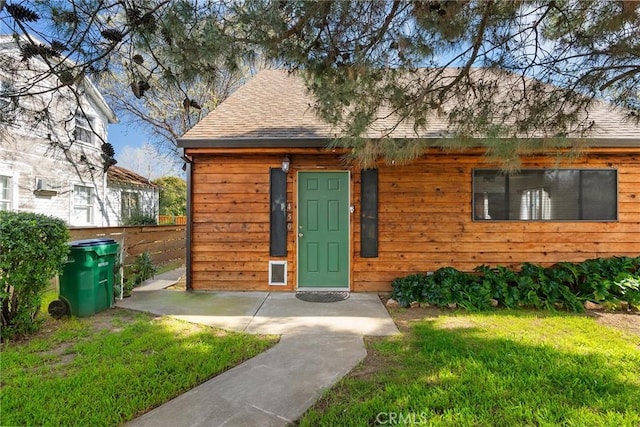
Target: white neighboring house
[130,194]
[51,142]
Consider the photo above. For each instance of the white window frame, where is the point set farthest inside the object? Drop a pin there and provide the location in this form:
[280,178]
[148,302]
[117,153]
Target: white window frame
[6,204]
[135,196]
[84,123]
[89,207]
[13,176]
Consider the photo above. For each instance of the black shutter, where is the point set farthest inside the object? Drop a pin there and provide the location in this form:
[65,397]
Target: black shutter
[369,213]
[278,213]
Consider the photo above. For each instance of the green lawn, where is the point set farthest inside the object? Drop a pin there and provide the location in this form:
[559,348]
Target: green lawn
[109,368]
[504,369]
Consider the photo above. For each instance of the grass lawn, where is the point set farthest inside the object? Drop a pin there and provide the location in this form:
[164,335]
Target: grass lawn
[109,368]
[499,369]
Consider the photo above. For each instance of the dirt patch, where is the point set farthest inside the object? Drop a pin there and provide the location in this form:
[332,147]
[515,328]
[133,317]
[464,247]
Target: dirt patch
[404,317]
[372,363]
[628,322]
[180,285]
[112,319]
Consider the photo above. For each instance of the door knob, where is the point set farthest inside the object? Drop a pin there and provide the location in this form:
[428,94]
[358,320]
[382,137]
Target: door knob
[300,234]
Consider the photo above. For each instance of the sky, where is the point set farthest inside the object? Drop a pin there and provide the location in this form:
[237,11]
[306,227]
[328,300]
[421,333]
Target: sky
[135,151]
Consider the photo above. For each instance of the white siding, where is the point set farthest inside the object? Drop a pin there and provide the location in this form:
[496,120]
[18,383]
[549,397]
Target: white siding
[32,151]
[148,198]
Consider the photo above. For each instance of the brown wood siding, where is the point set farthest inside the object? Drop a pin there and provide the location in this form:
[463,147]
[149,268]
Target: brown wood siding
[230,228]
[424,220]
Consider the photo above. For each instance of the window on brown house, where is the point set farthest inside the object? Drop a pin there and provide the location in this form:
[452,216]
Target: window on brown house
[546,195]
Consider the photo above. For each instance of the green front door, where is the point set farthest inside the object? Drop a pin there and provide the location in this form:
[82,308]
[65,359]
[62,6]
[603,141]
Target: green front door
[323,230]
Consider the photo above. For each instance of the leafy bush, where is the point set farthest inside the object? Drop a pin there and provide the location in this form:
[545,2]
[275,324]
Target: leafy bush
[413,287]
[173,195]
[32,251]
[564,285]
[503,283]
[141,270]
[139,217]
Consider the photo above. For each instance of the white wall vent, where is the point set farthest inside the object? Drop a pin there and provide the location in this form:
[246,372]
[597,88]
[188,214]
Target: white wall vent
[278,273]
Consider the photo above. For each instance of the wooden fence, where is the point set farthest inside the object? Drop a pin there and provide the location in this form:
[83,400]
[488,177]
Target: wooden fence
[172,219]
[165,243]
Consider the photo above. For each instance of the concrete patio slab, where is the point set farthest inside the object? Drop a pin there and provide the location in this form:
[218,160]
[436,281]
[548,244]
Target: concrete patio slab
[161,281]
[227,310]
[268,313]
[360,314]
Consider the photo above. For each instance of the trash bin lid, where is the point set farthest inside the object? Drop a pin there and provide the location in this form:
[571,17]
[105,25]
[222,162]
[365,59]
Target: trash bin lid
[91,242]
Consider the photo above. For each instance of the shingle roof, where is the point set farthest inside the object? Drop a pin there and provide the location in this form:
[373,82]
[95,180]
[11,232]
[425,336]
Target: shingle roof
[274,109]
[119,175]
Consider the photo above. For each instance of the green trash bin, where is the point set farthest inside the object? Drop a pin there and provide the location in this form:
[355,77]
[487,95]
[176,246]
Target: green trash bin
[86,282]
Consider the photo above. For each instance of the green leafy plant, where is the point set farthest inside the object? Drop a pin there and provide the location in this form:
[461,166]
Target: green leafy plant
[143,266]
[502,281]
[411,288]
[141,270]
[561,286]
[173,195]
[139,217]
[628,289]
[117,278]
[32,251]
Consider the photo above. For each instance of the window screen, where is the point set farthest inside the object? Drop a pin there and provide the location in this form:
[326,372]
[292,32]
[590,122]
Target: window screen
[546,195]
[83,132]
[129,204]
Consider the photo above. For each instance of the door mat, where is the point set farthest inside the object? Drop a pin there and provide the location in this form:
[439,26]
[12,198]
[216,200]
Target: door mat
[326,296]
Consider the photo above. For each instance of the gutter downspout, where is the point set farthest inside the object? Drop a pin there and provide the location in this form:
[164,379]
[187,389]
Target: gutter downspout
[188,164]
[105,208]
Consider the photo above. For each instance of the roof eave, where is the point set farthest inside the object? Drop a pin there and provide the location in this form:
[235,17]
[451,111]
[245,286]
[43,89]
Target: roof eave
[118,183]
[324,142]
[254,142]
[100,102]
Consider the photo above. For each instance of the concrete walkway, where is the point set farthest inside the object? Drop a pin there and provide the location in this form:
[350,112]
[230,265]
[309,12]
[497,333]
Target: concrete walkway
[319,344]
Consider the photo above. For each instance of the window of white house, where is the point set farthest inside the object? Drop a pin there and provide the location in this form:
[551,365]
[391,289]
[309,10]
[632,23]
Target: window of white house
[7,103]
[6,89]
[130,204]
[546,195]
[5,193]
[82,205]
[83,132]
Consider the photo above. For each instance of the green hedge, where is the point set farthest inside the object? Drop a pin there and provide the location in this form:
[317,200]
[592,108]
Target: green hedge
[565,285]
[33,249]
